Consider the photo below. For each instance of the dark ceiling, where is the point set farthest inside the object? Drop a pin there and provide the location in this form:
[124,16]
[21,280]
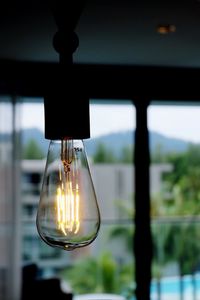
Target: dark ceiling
[111,32]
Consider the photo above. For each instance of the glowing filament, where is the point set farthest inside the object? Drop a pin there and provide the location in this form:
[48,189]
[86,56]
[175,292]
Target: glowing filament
[67,207]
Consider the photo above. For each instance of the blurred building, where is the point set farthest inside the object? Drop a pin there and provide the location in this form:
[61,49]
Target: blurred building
[113,182]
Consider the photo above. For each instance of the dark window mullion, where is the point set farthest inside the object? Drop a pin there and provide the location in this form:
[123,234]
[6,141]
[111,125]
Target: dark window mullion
[142,236]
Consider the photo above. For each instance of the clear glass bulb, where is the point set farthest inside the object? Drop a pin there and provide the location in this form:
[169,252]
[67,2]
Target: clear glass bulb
[68,214]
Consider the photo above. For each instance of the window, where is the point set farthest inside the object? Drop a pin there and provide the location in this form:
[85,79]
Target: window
[175,152]
[110,152]
[117,221]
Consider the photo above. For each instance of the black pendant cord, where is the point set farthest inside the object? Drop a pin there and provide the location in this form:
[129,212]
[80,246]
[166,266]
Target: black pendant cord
[66,103]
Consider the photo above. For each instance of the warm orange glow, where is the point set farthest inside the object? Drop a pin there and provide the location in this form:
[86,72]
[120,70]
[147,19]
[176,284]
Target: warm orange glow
[67,207]
[166,28]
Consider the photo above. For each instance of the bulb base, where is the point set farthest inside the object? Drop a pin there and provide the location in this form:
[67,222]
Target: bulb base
[66,118]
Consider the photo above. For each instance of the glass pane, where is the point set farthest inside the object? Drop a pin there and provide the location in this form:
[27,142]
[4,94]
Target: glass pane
[175,192]
[105,266]
[9,230]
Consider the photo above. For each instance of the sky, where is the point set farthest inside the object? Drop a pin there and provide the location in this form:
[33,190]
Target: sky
[174,121]
[103,118]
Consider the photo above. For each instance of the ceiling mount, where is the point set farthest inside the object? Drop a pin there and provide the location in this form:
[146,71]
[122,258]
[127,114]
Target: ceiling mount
[61,119]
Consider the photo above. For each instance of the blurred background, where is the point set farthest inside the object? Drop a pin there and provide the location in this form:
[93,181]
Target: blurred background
[134,51]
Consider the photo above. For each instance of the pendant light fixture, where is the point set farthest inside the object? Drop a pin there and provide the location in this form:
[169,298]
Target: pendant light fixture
[68,215]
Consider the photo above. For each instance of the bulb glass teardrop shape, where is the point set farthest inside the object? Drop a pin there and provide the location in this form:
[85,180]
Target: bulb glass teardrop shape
[68,215]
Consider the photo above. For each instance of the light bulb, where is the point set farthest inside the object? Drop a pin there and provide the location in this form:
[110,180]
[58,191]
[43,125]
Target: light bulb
[68,214]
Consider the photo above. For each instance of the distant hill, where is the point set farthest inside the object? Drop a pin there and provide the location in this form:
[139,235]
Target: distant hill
[113,141]
[167,144]
[117,141]
[37,135]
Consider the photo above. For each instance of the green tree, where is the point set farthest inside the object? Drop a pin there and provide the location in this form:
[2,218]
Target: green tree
[179,241]
[125,233]
[184,183]
[126,155]
[98,275]
[32,151]
[103,155]
[182,245]
[83,275]
[158,155]
[183,162]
